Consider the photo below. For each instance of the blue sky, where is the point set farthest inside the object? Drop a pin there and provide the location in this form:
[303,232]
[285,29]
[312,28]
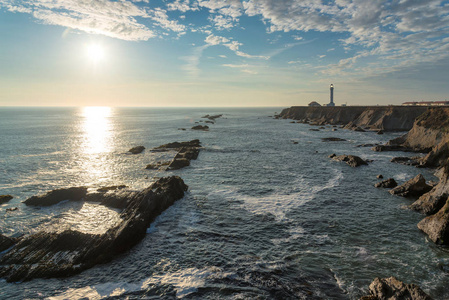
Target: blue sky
[222,53]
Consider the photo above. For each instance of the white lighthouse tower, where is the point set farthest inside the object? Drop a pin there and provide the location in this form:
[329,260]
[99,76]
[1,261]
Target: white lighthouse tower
[331,103]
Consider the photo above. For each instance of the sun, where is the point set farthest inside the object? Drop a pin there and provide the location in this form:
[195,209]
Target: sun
[95,52]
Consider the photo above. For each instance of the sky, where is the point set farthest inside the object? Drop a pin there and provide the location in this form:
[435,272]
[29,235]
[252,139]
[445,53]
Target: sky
[222,52]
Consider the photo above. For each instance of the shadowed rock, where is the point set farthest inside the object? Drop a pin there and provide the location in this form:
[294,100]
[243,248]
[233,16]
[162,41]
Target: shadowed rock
[5,198]
[393,289]
[409,161]
[136,150]
[352,160]
[437,226]
[111,188]
[6,242]
[176,145]
[186,152]
[388,183]
[58,254]
[56,196]
[415,187]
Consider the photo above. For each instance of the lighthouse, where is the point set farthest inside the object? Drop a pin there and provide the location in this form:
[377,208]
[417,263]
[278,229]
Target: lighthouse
[331,103]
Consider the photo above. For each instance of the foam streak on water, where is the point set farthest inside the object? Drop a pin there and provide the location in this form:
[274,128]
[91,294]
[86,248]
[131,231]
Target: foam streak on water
[264,218]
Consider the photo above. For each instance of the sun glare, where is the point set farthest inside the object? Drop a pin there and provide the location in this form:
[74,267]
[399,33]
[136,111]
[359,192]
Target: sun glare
[95,52]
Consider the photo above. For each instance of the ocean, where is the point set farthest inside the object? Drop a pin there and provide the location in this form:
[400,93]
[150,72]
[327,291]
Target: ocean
[264,217]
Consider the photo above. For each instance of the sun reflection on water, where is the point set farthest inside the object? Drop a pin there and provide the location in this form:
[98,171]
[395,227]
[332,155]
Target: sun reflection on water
[97,129]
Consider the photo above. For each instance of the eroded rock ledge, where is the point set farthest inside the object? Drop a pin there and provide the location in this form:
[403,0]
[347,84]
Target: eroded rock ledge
[393,289]
[186,151]
[58,254]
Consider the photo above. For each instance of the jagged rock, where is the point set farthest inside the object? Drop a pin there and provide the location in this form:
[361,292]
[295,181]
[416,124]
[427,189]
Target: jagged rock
[437,226]
[5,198]
[6,242]
[409,161]
[393,289]
[334,129]
[352,160]
[415,187]
[56,196]
[64,253]
[388,183]
[111,188]
[380,176]
[333,139]
[176,145]
[178,163]
[433,201]
[380,132]
[136,150]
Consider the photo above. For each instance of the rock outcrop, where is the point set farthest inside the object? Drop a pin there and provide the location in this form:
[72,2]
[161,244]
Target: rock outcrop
[186,151]
[431,202]
[333,139]
[387,183]
[437,226]
[6,242]
[5,198]
[56,196]
[415,187]
[58,254]
[385,118]
[352,160]
[136,150]
[393,289]
[201,127]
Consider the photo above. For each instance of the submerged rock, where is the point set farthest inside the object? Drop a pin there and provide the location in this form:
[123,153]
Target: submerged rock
[59,254]
[394,289]
[415,187]
[176,145]
[333,139]
[352,160]
[380,176]
[437,226]
[5,198]
[388,183]
[56,196]
[136,150]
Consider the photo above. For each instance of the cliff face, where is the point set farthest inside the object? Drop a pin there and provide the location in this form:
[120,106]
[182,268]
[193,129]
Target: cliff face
[387,118]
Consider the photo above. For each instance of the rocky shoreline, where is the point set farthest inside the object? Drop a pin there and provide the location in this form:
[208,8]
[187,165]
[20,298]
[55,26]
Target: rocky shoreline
[428,133]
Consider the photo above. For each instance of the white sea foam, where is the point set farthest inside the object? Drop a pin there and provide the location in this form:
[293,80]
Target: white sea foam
[185,282]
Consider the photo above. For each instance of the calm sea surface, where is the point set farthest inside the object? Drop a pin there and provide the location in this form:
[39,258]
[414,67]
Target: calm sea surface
[264,218]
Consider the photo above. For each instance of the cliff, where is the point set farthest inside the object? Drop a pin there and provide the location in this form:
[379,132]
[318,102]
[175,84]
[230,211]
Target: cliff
[386,118]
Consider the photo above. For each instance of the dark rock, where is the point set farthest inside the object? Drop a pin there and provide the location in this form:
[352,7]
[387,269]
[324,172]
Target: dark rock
[409,161]
[178,163]
[201,127]
[366,145]
[313,129]
[393,289]
[12,209]
[5,198]
[295,143]
[136,150]
[388,183]
[352,160]
[332,155]
[334,129]
[188,153]
[6,242]
[292,122]
[176,145]
[209,122]
[382,148]
[111,188]
[437,226]
[380,176]
[359,129]
[213,117]
[64,253]
[181,129]
[333,139]
[56,196]
[380,132]
[415,187]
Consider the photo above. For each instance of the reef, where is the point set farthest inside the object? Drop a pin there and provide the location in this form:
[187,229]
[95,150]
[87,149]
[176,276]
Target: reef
[46,254]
